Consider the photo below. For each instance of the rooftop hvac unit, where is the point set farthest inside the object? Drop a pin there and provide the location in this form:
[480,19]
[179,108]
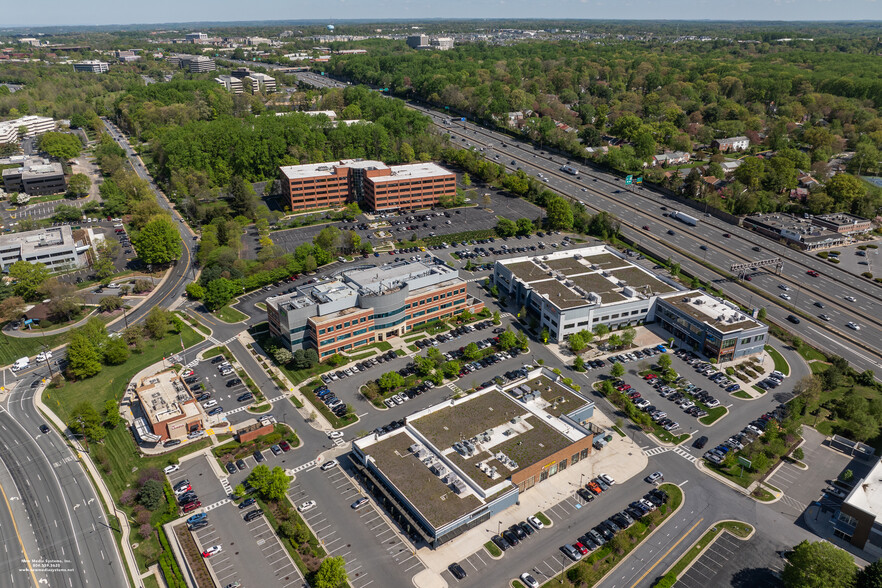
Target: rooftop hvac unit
[439,470]
[492,471]
[513,464]
[414,448]
[459,486]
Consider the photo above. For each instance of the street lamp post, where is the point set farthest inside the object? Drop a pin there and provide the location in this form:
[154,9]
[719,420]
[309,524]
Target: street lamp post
[46,358]
[499,527]
[125,317]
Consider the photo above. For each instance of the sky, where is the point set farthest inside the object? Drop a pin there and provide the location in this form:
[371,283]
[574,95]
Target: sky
[108,12]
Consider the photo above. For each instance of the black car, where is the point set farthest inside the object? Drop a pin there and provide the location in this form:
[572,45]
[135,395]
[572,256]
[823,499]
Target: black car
[44,429]
[217,359]
[585,494]
[500,542]
[171,443]
[247,502]
[231,467]
[258,456]
[198,525]
[527,527]
[246,396]
[793,319]
[510,537]
[233,382]
[519,533]
[700,442]
[251,515]
[457,571]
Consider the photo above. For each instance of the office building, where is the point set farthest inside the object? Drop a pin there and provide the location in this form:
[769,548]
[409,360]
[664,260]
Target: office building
[168,406]
[91,66]
[418,41]
[574,290]
[858,520]
[260,82]
[34,125]
[442,43]
[803,232]
[127,56]
[424,42]
[455,465]
[196,37]
[372,184]
[842,223]
[54,247]
[36,177]
[193,63]
[233,85]
[367,305]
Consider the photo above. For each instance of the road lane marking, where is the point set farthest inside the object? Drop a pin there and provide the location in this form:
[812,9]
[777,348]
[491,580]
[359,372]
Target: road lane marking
[646,573]
[20,542]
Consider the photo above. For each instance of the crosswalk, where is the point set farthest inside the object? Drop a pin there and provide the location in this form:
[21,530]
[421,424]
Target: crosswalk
[215,505]
[225,482]
[301,467]
[652,451]
[454,388]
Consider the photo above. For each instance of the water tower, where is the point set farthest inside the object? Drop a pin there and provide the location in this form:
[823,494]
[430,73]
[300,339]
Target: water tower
[330,28]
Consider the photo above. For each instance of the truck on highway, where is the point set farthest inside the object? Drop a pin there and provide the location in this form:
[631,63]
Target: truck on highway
[570,170]
[683,217]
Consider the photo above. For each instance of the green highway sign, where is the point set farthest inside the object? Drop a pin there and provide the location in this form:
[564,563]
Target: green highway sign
[639,180]
[744,461]
[628,180]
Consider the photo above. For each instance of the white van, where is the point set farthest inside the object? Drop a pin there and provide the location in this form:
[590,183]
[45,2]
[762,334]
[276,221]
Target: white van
[21,363]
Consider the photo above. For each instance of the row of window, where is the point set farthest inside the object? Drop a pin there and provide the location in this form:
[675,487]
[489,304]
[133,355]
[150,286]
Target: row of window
[345,325]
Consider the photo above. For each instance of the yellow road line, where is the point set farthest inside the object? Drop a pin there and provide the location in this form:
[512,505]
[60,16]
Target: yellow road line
[20,542]
[646,573]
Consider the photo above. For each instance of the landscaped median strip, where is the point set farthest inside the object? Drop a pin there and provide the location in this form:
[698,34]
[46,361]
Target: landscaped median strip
[740,530]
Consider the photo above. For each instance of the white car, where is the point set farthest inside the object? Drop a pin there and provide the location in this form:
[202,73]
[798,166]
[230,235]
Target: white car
[43,356]
[854,326]
[213,550]
[529,581]
[785,296]
[308,505]
[851,298]
[535,522]
[186,373]
[651,478]
[329,464]
[335,434]
[784,287]
[171,469]
[608,479]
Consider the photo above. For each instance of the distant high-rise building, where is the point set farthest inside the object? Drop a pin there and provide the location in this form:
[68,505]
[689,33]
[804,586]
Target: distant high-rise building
[417,41]
[196,37]
[442,43]
[194,63]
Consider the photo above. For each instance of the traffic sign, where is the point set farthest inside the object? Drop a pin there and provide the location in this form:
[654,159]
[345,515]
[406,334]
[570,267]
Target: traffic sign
[639,180]
[462,119]
[628,180]
[744,461]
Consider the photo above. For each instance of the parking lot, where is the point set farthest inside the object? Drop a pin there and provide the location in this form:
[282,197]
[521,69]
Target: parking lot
[754,563]
[222,389]
[211,491]
[852,259]
[250,551]
[362,537]
[802,487]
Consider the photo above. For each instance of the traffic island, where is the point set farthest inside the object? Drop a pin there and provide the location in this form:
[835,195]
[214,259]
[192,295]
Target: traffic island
[737,529]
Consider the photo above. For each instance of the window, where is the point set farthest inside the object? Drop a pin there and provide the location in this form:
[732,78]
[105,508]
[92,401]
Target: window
[847,519]
[615,316]
[575,459]
[584,453]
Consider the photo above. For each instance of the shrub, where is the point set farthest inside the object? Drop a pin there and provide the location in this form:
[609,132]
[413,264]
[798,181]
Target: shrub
[867,275]
[145,530]
[128,496]
[822,254]
[799,454]
[151,495]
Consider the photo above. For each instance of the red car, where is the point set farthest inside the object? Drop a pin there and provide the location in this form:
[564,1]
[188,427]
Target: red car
[284,446]
[582,549]
[645,227]
[634,395]
[624,387]
[813,273]
[650,377]
[191,506]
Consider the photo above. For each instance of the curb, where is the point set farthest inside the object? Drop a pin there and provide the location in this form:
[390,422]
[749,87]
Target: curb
[706,547]
[724,415]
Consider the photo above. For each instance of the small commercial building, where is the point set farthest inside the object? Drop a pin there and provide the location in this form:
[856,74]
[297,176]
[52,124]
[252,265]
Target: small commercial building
[53,246]
[168,406]
[252,429]
[362,306]
[859,520]
[92,66]
[842,223]
[455,465]
[803,232]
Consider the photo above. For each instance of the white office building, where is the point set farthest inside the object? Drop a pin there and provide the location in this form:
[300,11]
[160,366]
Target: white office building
[54,247]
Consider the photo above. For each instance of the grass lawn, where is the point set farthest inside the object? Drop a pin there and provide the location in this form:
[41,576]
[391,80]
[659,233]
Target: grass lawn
[713,415]
[590,569]
[11,348]
[738,529]
[213,351]
[111,381]
[818,367]
[618,430]
[809,353]
[758,389]
[228,314]
[667,437]
[543,519]
[360,356]
[492,549]
[743,394]
[150,582]
[780,362]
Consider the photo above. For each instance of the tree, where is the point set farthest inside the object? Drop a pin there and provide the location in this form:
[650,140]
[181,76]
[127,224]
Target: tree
[628,336]
[111,414]
[846,476]
[151,495]
[79,184]
[507,340]
[85,420]
[471,352]
[664,361]
[195,291]
[391,380]
[60,145]
[243,200]
[466,180]
[818,565]
[158,242]
[579,364]
[761,315]
[107,252]
[84,359]
[219,292]
[524,226]
[405,153]
[870,576]
[559,213]
[424,365]
[116,351]
[617,370]
[331,574]
[600,331]
[577,342]
[29,278]
[11,308]
[64,300]
[845,189]
[496,319]
[270,484]
[506,227]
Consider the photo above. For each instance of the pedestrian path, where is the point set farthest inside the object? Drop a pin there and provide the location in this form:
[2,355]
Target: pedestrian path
[685,454]
[453,387]
[225,482]
[652,451]
[301,467]
[655,451]
[216,504]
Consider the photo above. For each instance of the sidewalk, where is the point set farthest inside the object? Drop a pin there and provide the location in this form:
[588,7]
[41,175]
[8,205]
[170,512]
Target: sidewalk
[101,487]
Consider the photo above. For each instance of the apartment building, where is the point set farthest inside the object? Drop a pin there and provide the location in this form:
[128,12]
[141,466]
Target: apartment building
[54,247]
[91,66]
[367,305]
[731,144]
[196,37]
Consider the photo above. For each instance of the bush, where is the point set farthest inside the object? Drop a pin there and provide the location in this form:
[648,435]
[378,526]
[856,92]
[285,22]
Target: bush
[822,254]
[151,495]
[145,531]
[798,454]
[867,275]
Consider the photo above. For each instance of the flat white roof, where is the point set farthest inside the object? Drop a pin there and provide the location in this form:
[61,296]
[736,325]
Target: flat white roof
[324,169]
[413,170]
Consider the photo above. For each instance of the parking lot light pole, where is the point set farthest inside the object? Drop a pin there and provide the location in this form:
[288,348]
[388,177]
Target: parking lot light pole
[499,528]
